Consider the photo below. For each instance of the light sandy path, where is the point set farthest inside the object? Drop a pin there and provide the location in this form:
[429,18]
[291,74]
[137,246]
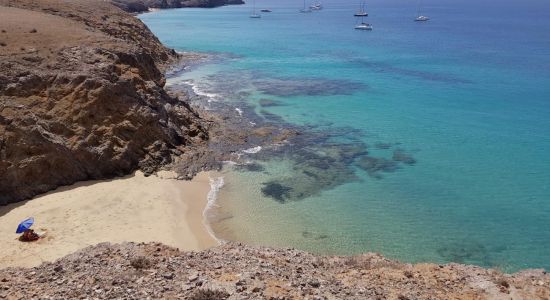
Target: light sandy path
[133,208]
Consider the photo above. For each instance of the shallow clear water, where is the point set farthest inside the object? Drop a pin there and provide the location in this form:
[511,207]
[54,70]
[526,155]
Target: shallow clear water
[465,95]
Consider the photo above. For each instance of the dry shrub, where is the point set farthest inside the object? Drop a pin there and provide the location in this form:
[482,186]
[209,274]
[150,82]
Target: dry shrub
[208,294]
[408,274]
[369,263]
[503,282]
[140,262]
[351,261]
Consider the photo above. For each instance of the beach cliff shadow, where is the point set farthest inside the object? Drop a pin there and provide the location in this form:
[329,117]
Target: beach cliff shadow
[8,208]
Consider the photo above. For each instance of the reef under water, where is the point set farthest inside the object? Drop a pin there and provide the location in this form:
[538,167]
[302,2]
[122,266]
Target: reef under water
[320,164]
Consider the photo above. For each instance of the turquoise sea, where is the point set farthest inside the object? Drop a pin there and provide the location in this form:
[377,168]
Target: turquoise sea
[422,141]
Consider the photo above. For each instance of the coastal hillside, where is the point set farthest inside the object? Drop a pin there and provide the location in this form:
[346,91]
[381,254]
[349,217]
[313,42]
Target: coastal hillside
[234,271]
[137,6]
[81,97]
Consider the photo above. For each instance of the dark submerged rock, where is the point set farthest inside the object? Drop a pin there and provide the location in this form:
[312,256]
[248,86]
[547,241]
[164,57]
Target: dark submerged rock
[382,67]
[288,87]
[383,146]
[466,251]
[250,167]
[276,191]
[374,165]
[269,103]
[401,156]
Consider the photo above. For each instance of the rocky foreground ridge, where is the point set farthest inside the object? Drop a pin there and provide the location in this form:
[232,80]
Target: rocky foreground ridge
[234,271]
[137,6]
[82,97]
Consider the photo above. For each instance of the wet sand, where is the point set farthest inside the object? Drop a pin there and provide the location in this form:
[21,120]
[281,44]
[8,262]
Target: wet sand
[132,208]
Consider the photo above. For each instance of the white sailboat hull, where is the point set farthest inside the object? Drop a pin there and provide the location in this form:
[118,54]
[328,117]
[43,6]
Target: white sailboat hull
[421,19]
[363,27]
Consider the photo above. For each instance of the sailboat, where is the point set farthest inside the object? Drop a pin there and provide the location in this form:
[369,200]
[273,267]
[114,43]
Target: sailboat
[363,25]
[316,6]
[305,10]
[362,12]
[255,15]
[419,16]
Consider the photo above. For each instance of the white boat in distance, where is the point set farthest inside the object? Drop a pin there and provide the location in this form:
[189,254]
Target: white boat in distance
[316,6]
[255,15]
[419,16]
[421,19]
[362,12]
[363,26]
[305,9]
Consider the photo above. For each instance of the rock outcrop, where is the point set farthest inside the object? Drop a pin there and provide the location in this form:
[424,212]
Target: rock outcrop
[82,97]
[234,271]
[137,6]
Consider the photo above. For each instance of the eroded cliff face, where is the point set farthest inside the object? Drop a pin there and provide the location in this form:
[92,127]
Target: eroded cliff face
[81,97]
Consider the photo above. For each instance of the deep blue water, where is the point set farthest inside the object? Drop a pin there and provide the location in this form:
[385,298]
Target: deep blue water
[465,97]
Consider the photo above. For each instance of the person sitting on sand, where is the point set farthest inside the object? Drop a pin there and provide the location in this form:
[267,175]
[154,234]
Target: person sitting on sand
[29,235]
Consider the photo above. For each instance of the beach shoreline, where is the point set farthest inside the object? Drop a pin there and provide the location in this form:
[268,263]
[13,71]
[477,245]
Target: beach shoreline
[133,208]
[157,208]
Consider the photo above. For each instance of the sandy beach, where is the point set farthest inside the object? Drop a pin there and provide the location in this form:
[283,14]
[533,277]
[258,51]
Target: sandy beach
[132,208]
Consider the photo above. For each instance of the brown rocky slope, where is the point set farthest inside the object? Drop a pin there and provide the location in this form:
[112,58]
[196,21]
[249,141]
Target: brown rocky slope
[81,97]
[234,271]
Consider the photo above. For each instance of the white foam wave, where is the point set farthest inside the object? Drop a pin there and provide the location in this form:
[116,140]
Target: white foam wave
[253,150]
[215,185]
[199,92]
[240,111]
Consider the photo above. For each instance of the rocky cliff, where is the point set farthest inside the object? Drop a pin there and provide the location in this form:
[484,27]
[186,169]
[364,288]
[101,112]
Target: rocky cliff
[234,271]
[81,97]
[143,5]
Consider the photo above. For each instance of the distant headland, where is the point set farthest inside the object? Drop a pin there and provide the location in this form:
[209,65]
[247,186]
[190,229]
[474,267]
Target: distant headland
[137,6]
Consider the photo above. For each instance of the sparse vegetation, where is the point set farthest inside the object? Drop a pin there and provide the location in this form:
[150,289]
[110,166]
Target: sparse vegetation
[236,271]
[33,30]
[320,261]
[3,44]
[351,261]
[208,294]
[369,263]
[503,283]
[140,262]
